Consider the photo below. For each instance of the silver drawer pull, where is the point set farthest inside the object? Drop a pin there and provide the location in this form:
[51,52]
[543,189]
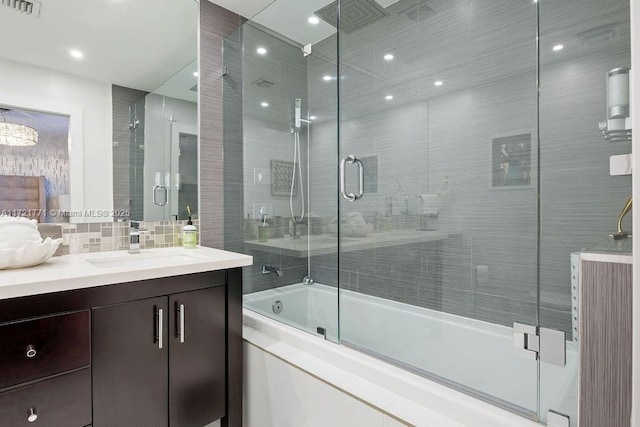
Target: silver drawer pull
[33,416]
[31,351]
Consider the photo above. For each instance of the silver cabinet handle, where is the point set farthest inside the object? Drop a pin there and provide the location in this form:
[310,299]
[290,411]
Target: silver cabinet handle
[166,195]
[181,322]
[159,321]
[31,351]
[343,180]
[33,416]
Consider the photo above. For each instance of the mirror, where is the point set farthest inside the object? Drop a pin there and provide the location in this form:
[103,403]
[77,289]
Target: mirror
[124,76]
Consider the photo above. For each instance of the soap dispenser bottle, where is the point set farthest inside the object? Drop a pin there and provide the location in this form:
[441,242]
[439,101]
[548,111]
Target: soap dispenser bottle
[189,233]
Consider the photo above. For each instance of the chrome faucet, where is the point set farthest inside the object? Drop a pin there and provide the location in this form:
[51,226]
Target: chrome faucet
[267,269]
[134,237]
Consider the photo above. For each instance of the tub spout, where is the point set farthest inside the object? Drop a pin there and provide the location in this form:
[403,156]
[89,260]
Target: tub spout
[267,269]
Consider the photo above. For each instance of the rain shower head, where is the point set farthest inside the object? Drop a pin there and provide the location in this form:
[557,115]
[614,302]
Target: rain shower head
[354,14]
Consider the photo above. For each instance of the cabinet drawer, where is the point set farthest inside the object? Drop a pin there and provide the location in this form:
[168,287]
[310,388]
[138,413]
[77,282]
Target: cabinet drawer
[37,348]
[63,401]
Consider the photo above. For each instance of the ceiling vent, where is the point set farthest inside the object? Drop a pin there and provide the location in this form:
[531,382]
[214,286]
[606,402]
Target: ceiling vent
[263,83]
[600,36]
[31,8]
[354,14]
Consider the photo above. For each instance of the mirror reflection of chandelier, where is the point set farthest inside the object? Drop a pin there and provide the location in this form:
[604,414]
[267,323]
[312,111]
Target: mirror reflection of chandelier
[16,135]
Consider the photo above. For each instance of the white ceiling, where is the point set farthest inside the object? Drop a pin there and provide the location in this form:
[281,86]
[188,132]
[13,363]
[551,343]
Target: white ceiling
[133,43]
[288,17]
[246,8]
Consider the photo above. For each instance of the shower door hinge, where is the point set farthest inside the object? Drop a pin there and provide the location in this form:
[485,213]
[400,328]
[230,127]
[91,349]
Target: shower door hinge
[534,342]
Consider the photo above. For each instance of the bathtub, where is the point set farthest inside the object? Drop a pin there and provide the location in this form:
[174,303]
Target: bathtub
[471,356]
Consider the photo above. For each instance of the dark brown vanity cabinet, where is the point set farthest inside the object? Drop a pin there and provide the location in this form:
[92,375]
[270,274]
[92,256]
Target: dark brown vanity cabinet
[160,361]
[149,353]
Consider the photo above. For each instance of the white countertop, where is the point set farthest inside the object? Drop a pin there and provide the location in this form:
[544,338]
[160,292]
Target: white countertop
[328,244]
[79,271]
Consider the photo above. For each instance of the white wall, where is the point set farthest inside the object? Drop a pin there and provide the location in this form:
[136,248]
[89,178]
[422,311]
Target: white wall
[635,81]
[41,89]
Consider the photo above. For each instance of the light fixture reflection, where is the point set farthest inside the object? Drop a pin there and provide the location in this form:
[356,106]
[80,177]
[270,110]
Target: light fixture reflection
[195,74]
[388,97]
[16,135]
[388,57]
[261,51]
[327,78]
[76,54]
[558,47]
[264,104]
[438,83]
[313,20]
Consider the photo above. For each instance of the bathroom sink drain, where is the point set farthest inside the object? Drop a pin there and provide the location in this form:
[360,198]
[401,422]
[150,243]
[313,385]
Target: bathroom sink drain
[277,307]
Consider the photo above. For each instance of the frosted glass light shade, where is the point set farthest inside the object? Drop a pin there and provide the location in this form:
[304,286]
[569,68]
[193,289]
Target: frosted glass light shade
[17,135]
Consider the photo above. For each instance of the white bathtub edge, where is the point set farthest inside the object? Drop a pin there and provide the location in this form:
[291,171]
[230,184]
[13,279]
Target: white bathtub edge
[399,393]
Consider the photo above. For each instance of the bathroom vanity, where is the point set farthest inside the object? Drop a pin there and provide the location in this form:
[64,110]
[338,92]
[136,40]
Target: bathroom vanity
[108,339]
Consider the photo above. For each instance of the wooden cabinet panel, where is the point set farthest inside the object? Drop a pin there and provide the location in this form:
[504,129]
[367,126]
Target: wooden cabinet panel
[129,367]
[605,344]
[35,349]
[63,401]
[197,371]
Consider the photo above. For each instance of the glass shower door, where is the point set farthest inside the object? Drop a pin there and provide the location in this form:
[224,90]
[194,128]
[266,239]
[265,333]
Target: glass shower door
[289,156]
[438,210]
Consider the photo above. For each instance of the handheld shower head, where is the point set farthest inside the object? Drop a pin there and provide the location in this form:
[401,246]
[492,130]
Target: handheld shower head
[298,113]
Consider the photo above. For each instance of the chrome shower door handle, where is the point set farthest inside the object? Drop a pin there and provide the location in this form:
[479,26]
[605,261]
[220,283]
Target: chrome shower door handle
[343,178]
[360,178]
[166,195]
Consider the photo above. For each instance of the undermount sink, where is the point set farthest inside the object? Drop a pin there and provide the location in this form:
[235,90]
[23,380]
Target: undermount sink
[144,259]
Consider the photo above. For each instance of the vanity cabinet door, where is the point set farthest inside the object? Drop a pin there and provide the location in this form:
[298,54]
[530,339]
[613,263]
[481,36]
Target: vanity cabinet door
[197,371]
[130,359]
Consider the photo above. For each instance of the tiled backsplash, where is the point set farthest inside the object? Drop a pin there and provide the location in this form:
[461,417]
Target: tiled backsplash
[114,236]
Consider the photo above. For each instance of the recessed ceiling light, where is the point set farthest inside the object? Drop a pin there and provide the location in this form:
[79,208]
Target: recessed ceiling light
[438,83]
[388,57]
[327,78]
[195,74]
[312,117]
[261,51]
[558,47]
[76,54]
[265,104]
[388,97]
[314,20]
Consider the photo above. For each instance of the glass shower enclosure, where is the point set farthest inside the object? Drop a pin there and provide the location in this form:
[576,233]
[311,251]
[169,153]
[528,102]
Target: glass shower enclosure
[415,175]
